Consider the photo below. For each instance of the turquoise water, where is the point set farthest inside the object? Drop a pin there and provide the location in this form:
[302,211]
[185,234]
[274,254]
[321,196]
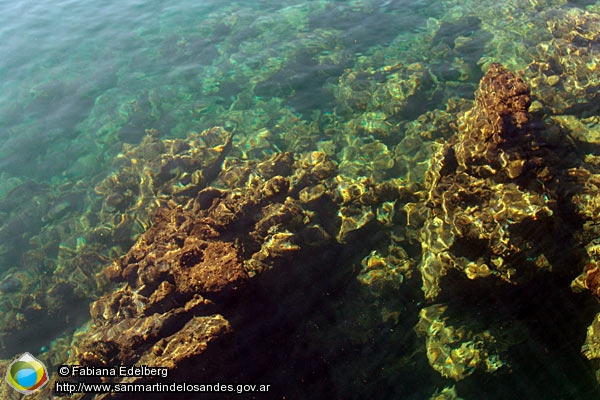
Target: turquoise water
[83,83]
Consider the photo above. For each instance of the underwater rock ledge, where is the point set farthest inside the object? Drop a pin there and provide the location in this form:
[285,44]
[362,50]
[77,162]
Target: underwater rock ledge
[197,273]
[502,199]
[246,241]
[486,192]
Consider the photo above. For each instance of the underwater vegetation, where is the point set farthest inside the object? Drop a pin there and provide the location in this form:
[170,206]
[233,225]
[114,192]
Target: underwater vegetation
[425,225]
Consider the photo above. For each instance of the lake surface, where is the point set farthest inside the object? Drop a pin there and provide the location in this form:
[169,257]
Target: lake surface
[378,87]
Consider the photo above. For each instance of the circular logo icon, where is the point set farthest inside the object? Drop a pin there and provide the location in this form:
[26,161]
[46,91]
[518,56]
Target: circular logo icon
[27,374]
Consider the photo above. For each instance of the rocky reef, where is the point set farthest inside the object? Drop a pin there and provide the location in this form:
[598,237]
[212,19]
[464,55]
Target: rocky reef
[564,75]
[66,244]
[587,202]
[272,228]
[455,352]
[189,277]
[428,220]
[231,240]
[502,198]
[489,209]
[487,191]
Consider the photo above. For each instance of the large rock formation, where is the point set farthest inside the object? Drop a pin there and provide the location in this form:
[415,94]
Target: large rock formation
[487,191]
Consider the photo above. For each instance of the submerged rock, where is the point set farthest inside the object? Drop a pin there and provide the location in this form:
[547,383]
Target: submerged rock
[493,137]
[564,75]
[190,273]
[455,352]
[482,208]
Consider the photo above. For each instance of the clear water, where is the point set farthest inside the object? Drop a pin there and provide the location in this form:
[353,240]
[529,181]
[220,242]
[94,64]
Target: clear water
[78,80]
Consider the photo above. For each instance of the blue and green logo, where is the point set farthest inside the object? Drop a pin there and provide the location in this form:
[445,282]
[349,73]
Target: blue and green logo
[26,374]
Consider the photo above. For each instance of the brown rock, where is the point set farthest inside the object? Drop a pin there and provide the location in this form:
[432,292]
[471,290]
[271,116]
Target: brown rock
[481,206]
[493,137]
